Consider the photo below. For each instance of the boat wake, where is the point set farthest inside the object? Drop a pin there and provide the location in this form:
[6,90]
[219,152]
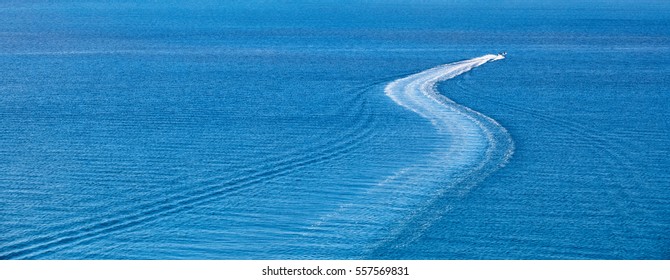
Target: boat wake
[399,208]
[473,145]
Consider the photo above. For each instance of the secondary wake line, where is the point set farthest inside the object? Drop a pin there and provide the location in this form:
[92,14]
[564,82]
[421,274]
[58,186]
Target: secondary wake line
[31,248]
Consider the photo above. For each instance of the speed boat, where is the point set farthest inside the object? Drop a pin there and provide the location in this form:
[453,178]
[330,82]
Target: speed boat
[500,56]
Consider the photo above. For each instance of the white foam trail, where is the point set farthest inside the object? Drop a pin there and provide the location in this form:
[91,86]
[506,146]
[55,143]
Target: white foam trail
[470,134]
[398,209]
[474,145]
[417,93]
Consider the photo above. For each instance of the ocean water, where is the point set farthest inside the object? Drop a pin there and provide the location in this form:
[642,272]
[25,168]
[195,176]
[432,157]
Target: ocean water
[322,130]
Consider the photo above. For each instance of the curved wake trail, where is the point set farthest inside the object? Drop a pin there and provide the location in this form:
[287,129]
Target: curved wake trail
[398,209]
[474,140]
[475,145]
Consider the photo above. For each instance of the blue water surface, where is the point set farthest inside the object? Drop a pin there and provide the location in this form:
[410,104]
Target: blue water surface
[256,130]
